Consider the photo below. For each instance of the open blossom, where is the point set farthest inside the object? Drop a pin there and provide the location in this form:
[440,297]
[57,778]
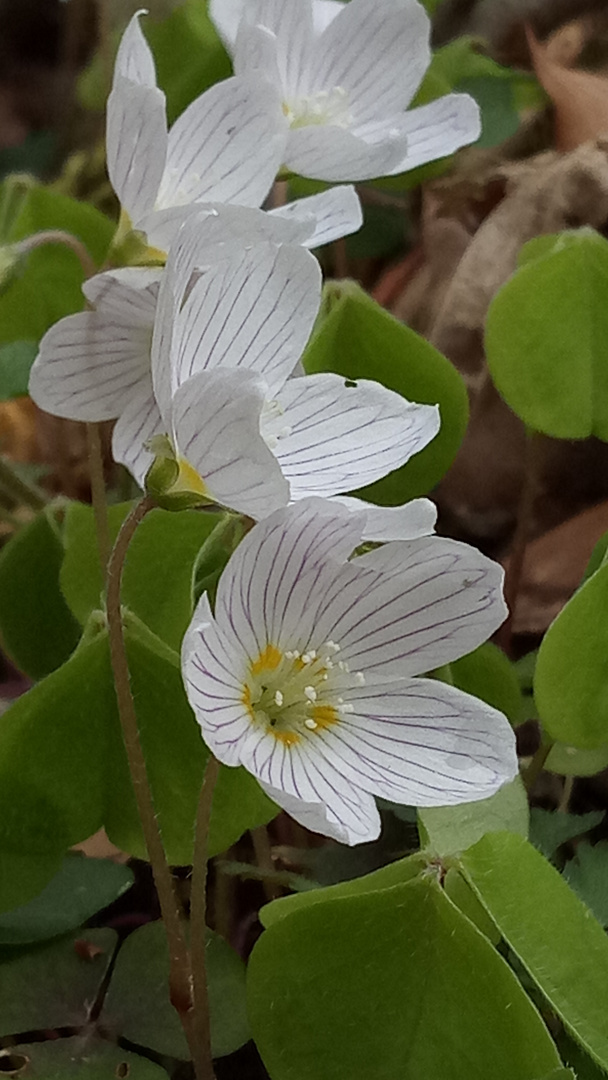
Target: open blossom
[93,365]
[226,147]
[227,14]
[251,313]
[305,672]
[346,82]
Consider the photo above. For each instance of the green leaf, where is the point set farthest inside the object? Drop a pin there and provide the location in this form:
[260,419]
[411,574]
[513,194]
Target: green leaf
[53,754]
[578,1060]
[358,339]
[598,556]
[53,986]
[24,876]
[159,569]
[587,874]
[563,948]
[462,895]
[137,1004]
[56,791]
[383,233]
[546,340]
[38,629]
[570,684]
[561,1074]
[499,116]
[448,830]
[488,674]
[396,873]
[395,983]
[549,829]
[176,757]
[81,578]
[83,1059]
[49,286]
[80,889]
[570,761]
[188,53]
[16,360]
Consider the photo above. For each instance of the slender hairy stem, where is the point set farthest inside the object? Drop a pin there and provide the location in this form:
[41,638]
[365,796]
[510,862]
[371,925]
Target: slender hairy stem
[180,980]
[568,788]
[198,918]
[98,495]
[536,766]
[20,490]
[341,262]
[278,195]
[263,856]
[521,537]
[60,236]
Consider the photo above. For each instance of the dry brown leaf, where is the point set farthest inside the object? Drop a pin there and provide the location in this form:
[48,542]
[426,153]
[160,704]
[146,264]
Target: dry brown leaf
[99,846]
[580,98]
[554,565]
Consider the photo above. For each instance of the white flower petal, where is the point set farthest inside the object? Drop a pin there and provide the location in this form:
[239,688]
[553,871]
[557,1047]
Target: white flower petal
[421,742]
[225,223]
[214,674]
[343,813]
[329,152]
[136,144]
[425,603]
[134,60]
[227,146]
[291,24]
[254,312]
[129,293]
[435,130]
[333,214]
[138,422]
[89,364]
[227,14]
[378,52]
[411,521]
[256,53]
[343,435]
[216,421]
[264,592]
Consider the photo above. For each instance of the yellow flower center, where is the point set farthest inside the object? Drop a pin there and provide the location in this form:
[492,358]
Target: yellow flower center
[324,107]
[294,695]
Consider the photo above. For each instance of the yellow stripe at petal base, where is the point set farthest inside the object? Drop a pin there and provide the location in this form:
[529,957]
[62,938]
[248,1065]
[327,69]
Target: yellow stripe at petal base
[324,716]
[268,660]
[189,479]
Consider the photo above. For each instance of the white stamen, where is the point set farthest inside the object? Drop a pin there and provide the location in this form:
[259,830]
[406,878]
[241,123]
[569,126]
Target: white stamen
[359,678]
[332,647]
[310,723]
[310,693]
[278,698]
[346,708]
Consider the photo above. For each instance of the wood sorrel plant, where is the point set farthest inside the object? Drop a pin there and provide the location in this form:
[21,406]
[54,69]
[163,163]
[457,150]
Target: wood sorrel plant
[248,636]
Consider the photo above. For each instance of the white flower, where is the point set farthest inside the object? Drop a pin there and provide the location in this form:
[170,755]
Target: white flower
[251,313]
[304,673]
[92,366]
[225,148]
[227,14]
[345,88]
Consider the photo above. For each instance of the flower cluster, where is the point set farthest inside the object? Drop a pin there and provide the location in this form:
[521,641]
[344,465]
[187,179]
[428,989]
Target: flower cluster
[304,671]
